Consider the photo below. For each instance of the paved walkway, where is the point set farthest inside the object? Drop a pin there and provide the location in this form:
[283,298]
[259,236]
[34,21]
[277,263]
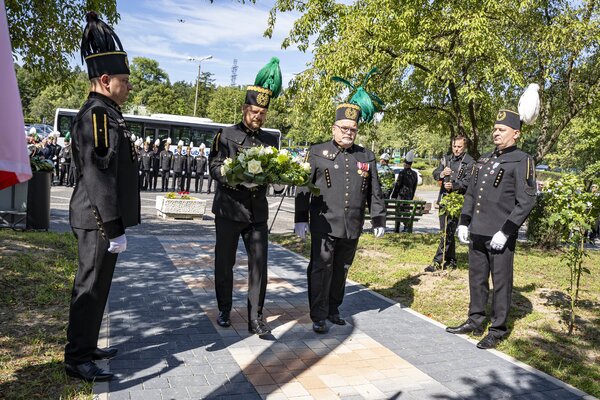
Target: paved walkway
[161,316]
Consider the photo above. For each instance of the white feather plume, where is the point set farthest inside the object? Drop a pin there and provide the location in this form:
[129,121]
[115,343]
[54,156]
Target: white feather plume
[191,145]
[168,140]
[202,146]
[138,142]
[180,143]
[133,137]
[529,104]
[148,140]
[157,142]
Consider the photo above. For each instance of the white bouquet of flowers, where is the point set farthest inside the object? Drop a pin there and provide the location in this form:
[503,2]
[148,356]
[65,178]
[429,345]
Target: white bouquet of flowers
[265,165]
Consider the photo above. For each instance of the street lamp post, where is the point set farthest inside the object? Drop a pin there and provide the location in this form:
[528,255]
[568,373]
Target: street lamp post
[198,80]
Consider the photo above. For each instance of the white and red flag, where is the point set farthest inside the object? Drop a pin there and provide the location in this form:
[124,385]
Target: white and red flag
[14,157]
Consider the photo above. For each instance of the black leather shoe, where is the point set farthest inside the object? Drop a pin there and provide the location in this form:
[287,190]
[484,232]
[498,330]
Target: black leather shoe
[489,342]
[259,327]
[450,264]
[88,371]
[466,327]
[336,319]
[432,267]
[224,319]
[104,354]
[320,326]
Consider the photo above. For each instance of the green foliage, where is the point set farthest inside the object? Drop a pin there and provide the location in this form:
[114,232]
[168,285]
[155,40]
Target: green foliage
[571,213]
[539,231]
[448,66]
[40,164]
[44,34]
[225,105]
[451,205]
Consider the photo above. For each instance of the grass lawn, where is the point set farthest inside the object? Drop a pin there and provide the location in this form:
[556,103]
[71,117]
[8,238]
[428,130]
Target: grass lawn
[36,276]
[393,266]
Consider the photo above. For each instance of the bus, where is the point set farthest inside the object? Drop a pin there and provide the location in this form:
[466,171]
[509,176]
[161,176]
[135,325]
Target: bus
[160,126]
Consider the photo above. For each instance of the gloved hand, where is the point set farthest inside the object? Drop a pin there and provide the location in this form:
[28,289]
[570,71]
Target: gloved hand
[378,232]
[498,241]
[183,173]
[278,187]
[172,172]
[249,185]
[118,244]
[140,173]
[193,173]
[151,169]
[160,170]
[463,234]
[300,228]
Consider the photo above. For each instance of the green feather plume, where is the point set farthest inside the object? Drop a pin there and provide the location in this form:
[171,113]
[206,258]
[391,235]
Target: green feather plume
[361,97]
[269,77]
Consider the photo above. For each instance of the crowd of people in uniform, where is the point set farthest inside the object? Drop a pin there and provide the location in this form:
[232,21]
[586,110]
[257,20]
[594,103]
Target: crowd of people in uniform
[499,192]
[48,148]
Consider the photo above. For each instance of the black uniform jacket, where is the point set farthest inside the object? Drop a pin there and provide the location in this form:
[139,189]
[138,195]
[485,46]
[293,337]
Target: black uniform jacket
[146,156]
[178,162]
[348,184]
[200,162]
[238,203]
[165,159]
[501,194]
[405,185]
[107,195]
[460,177]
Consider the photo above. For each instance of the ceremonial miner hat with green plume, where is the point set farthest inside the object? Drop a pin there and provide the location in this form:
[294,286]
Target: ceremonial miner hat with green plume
[267,85]
[361,103]
[101,49]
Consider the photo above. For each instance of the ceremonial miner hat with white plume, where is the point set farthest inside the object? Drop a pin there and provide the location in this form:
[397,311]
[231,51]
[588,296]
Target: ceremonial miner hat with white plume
[101,49]
[529,109]
[267,85]
[361,103]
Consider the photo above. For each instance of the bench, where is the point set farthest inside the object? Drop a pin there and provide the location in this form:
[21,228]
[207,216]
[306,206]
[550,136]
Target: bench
[405,211]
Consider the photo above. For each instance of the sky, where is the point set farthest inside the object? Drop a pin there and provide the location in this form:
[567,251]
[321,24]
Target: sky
[172,31]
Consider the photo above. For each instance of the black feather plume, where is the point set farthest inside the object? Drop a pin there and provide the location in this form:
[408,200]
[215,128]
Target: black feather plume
[98,37]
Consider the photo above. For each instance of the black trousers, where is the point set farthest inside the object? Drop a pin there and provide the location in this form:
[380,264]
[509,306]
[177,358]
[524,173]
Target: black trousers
[165,180]
[64,174]
[210,184]
[484,261]
[177,182]
[255,236]
[153,179]
[199,180]
[450,241]
[330,259]
[188,181]
[89,295]
[147,180]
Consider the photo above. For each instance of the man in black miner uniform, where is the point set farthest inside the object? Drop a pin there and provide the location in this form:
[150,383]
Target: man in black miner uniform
[406,182]
[200,167]
[501,195]
[243,209]
[454,175]
[146,164]
[178,168]
[65,161]
[106,199]
[154,164]
[346,175]
[165,165]
[56,158]
[189,167]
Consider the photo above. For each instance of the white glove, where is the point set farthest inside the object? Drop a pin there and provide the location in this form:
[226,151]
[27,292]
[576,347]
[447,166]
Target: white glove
[378,232]
[54,158]
[62,160]
[151,169]
[463,234]
[193,173]
[498,241]
[118,244]
[172,172]
[300,228]
[140,173]
[182,172]
[278,187]
[249,185]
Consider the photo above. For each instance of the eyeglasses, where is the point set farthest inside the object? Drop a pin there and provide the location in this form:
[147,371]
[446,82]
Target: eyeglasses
[346,129]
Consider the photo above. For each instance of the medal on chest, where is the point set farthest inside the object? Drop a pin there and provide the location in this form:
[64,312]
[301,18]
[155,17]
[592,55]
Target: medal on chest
[363,169]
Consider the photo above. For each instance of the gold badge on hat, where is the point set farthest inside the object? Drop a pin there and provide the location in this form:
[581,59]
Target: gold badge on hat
[501,115]
[351,113]
[262,99]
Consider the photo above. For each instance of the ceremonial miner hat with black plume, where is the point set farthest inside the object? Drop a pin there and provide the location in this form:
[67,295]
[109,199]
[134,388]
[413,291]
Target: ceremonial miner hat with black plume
[267,85]
[101,49]
[361,103]
[529,109]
